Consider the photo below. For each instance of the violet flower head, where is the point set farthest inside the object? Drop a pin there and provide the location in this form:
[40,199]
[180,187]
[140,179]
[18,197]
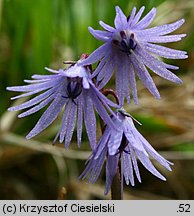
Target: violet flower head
[126,145]
[72,89]
[131,47]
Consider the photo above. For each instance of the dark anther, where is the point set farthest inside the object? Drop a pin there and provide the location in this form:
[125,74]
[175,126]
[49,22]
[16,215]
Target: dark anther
[73,90]
[127,152]
[127,44]
[123,35]
[123,145]
[132,44]
[116,42]
[124,47]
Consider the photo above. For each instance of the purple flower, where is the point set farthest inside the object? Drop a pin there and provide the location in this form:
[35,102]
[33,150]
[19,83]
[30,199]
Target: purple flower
[130,47]
[126,145]
[72,88]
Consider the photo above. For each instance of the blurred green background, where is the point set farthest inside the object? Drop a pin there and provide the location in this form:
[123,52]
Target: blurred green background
[39,33]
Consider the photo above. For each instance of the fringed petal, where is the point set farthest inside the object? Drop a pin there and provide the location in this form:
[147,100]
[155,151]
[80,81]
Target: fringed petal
[33,101]
[64,124]
[100,35]
[164,39]
[90,119]
[71,124]
[111,168]
[148,165]
[37,107]
[120,19]
[156,66]
[106,26]
[48,116]
[42,77]
[103,142]
[102,111]
[32,87]
[97,166]
[131,17]
[98,54]
[134,162]
[138,16]
[144,76]
[79,120]
[128,168]
[147,20]
[132,84]
[163,29]
[114,142]
[166,52]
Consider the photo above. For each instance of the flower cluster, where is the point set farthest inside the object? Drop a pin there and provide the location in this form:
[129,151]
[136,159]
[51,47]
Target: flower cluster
[78,92]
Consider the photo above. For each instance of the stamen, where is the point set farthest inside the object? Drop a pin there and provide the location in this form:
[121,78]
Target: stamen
[127,42]
[116,42]
[74,89]
[69,62]
[123,35]
[132,36]
[123,112]
[124,46]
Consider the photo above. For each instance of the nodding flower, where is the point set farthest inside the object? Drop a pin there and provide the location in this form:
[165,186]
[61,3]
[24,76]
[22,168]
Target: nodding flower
[122,148]
[71,89]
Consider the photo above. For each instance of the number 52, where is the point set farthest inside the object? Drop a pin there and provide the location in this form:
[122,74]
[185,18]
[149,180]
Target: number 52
[184,207]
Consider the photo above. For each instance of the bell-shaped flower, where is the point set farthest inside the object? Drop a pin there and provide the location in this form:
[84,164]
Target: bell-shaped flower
[130,47]
[71,89]
[126,145]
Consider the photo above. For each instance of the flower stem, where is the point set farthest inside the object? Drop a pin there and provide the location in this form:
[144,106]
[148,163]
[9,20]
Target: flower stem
[107,92]
[117,186]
